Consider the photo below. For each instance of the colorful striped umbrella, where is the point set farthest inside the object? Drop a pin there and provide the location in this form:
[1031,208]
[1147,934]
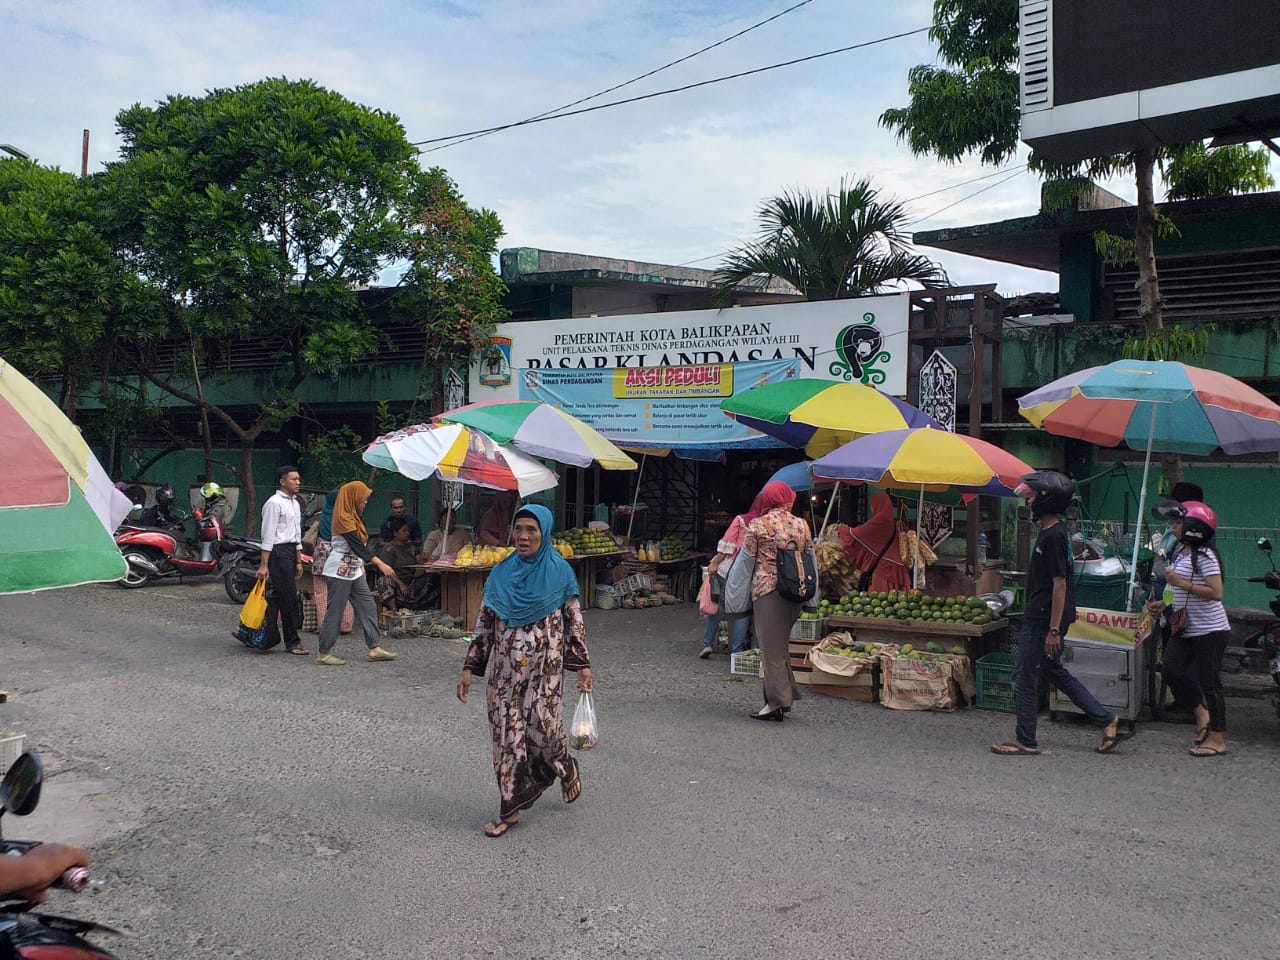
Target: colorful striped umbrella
[58,508]
[821,415]
[453,452]
[540,430]
[924,459]
[1155,405]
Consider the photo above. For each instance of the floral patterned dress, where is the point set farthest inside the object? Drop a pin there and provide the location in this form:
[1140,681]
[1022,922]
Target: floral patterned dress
[525,697]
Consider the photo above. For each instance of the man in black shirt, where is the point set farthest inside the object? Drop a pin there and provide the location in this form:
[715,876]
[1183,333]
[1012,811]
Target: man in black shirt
[1050,610]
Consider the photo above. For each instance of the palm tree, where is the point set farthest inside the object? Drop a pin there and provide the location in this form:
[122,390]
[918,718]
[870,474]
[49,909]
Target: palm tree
[844,244]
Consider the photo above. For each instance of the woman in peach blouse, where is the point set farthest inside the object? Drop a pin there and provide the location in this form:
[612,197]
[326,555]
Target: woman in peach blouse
[774,616]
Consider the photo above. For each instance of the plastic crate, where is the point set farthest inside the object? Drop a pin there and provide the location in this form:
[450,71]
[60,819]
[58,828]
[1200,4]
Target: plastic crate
[995,682]
[807,629]
[1104,593]
[748,664]
[633,584]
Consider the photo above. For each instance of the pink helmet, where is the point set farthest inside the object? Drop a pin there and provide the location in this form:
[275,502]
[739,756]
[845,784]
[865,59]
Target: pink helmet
[1199,522]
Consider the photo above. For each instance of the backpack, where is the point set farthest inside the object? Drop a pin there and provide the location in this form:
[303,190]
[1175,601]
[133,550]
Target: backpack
[797,574]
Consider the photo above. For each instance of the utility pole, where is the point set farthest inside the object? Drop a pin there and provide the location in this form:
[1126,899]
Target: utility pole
[84,156]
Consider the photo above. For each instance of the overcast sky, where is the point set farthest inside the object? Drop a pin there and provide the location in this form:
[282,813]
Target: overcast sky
[674,179]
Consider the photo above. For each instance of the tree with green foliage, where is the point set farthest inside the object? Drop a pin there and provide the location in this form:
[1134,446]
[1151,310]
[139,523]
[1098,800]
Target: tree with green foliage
[261,212]
[968,106]
[849,243]
[62,292]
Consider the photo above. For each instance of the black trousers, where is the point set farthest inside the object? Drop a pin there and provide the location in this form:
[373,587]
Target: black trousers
[1193,670]
[282,572]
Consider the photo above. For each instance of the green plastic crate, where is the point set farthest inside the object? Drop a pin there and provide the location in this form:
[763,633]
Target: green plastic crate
[995,682]
[1106,593]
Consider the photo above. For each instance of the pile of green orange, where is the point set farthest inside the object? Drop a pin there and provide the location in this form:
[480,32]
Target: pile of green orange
[907,605]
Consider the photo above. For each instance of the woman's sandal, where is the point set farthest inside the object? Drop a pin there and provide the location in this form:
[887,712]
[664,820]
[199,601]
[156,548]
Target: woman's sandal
[571,786]
[1202,734]
[329,660]
[498,828]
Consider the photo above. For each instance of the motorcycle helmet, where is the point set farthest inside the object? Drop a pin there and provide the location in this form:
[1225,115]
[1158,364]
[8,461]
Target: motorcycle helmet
[165,495]
[1199,522]
[1052,491]
[212,493]
[1167,510]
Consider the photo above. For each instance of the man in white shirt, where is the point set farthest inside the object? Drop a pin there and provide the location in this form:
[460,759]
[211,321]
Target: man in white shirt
[282,559]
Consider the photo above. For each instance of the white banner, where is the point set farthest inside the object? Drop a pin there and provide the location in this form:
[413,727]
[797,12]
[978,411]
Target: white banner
[862,340]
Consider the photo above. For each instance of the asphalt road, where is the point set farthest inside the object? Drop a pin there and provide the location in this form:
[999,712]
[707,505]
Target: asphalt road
[242,805]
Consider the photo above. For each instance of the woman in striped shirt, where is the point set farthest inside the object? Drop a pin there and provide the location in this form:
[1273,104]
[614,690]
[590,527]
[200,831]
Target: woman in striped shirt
[1193,658]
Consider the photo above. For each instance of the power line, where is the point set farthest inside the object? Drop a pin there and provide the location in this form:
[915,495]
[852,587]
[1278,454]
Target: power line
[953,186]
[663,93]
[626,83]
[970,196]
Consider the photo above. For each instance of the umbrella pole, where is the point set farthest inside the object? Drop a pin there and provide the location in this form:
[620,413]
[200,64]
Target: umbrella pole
[915,560]
[636,497]
[835,492]
[444,539]
[1142,503]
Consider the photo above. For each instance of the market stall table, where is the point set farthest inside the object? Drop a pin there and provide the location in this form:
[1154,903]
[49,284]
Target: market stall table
[684,573]
[883,630]
[462,588]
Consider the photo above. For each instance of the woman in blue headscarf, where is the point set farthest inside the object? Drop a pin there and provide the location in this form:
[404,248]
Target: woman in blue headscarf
[528,634]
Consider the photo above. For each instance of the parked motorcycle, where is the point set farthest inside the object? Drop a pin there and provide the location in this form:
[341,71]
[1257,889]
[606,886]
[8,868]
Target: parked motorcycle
[1267,639]
[154,553]
[242,557]
[25,931]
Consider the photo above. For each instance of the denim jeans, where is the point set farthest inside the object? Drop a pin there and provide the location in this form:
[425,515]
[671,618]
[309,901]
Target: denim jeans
[737,632]
[1030,661]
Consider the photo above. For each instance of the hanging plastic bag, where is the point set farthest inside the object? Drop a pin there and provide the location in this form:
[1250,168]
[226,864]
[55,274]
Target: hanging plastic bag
[706,606]
[254,610]
[584,733]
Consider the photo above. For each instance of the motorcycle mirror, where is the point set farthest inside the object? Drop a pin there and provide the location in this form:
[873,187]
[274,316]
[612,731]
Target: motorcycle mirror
[20,789]
[1264,544]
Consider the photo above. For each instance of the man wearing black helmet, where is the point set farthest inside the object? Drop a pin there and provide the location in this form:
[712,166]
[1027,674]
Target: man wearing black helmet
[1050,610]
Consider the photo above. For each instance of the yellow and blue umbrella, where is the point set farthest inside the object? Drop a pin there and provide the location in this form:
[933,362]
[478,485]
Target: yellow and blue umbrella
[821,415]
[58,508]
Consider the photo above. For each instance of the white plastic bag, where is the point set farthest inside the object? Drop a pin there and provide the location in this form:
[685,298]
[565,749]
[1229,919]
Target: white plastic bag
[584,733]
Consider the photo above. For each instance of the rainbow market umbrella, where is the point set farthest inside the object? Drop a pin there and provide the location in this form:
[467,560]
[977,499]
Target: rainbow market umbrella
[821,415]
[540,430]
[456,453]
[1155,405]
[923,460]
[58,508]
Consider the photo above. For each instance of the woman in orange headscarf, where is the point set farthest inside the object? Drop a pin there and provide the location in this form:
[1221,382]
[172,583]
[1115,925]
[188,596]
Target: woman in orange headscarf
[344,574]
[873,547]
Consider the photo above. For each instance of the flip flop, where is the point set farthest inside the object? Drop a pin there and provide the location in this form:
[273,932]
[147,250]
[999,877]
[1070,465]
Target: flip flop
[383,655]
[1207,752]
[1109,744]
[1202,734]
[571,788]
[498,828]
[300,651]
[1014,749]
[329,660]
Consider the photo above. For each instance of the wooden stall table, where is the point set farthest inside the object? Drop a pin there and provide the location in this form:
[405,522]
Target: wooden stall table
[461,590]
[685,573]
[918,632]
[584,566]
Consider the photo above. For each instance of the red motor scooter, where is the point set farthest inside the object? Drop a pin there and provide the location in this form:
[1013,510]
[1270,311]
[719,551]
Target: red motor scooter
[153,553]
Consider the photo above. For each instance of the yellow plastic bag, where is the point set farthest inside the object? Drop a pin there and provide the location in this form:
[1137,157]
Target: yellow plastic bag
[254,610]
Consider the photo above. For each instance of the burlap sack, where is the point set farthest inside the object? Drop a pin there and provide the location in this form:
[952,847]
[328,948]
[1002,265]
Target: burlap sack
[838,663]
[923,684]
